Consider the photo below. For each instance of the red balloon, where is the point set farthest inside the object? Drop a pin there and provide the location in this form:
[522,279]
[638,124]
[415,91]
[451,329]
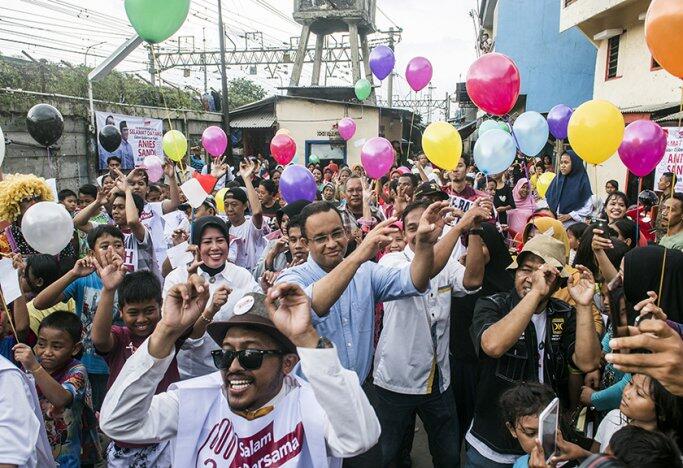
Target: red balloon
[493,83]
[208,182]
[283,148]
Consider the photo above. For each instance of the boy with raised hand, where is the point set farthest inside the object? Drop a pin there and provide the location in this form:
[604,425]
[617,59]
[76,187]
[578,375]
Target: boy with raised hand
[247,232]
[63,388]
[139,300]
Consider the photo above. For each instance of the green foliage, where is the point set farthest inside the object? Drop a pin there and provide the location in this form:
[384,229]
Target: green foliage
[242,91]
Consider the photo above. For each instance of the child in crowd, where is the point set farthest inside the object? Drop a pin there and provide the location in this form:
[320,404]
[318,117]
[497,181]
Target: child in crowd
[68,199]
[638,447]
[247,233]
[63,389]
[83,284]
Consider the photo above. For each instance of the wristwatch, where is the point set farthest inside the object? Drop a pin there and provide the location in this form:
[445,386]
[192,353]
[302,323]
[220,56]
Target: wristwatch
[324,343]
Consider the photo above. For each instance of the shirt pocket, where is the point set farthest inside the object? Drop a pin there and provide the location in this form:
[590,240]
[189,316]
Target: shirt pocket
[511,367]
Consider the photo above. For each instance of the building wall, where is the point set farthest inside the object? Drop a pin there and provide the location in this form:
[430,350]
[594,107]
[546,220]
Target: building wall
[636,85]
[583,10]
[556,68]
[304,119]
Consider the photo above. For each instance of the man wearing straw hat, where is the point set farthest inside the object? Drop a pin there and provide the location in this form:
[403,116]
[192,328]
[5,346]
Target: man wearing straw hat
[525,335]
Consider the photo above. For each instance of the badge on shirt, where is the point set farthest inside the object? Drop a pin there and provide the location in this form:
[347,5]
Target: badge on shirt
[244,305]
[558,326]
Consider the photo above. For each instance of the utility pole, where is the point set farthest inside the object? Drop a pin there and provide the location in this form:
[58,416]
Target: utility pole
[204,59]
[390,83]
[152,65]
[224,83]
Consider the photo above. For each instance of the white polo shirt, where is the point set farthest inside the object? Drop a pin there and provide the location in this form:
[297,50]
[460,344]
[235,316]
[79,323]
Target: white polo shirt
[194,358]
[415,332]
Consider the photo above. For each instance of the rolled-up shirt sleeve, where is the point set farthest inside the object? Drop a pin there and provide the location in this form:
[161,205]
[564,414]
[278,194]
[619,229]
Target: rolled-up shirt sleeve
[390,284]
[351,426]
[131,412]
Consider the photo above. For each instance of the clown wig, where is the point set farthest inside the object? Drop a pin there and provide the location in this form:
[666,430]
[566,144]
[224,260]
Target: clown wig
[17,187]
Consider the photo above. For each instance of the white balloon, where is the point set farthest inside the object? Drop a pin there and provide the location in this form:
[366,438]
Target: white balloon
[47,227]
[2,147]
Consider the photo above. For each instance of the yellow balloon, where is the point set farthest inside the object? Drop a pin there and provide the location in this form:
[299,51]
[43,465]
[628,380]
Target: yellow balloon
[596,130]
[543,183]
[442,144]
[283,131]
[175,145]
[220,200]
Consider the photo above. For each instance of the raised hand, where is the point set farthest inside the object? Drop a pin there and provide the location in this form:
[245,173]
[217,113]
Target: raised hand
[543,278]
[582,289]
[289,308]
[169,169]
[268,280]
[84,266]
[183,305]
[197,262]
[179,236]
[647,308]
[19,264]
[219,168]
[432,222]
[247,169]
[112,271]
[376,239]
[219,299]
[600,242]
[102,196]
[23,354]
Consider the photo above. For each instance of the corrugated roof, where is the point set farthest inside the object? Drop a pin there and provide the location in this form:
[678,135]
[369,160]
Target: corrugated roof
[253,120]
[673,117]
[648,108]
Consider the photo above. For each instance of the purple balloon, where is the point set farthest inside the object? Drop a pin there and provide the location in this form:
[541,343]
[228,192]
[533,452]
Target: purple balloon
[214,140]
[419,73]
[346,128]
[382,61]
[377,157]
[297,183]
[558,120]
[643,146]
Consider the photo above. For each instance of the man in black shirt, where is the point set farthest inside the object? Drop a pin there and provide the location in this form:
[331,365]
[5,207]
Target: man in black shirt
[527,336]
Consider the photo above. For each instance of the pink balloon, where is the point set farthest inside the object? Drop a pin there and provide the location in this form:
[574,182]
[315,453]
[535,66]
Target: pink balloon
[346,128]
[283,148]
[377,157]
[154,168]
[419,73]
[214,141]
[493,83]
[643,147]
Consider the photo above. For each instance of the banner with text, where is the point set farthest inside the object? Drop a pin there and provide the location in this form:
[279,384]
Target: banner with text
[141,136]
[673,158]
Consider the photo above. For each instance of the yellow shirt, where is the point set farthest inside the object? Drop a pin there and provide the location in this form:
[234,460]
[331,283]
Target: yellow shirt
[36,316]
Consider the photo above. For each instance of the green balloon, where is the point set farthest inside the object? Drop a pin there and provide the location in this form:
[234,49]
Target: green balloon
[487,125]
[504,126]
[363,89]
[157,20]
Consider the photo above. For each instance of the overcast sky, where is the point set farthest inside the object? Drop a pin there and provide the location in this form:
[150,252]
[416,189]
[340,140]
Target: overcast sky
[440,30]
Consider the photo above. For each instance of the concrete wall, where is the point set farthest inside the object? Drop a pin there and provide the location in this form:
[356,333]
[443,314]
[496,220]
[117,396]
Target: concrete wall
[75,163]
[304,119]
[585,10]
[556,68]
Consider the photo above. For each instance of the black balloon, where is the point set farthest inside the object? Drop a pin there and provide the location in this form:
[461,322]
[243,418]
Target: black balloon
[110,138]
[45,124]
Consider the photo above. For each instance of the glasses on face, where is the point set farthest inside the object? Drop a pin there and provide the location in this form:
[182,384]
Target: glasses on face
[336,235]
[249,359]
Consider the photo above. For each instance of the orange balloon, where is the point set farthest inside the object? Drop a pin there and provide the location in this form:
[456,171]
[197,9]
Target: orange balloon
[664,34]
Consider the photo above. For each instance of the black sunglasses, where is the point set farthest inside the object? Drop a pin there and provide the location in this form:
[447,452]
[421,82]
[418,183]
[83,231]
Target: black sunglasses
[249,359]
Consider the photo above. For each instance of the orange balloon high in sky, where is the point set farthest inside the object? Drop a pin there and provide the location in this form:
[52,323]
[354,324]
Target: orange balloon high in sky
[664,34]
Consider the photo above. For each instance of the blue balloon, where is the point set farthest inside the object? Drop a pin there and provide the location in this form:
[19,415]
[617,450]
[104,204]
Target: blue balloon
[494,151]
[297,183]
[531,131]
[487,125]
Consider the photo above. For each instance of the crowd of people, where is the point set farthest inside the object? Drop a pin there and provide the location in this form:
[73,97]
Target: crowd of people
[249,331]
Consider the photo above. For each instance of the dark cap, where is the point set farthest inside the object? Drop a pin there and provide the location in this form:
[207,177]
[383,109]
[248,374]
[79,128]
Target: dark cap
[430,188]
[291,209]
[237,193]
[201,224]
[250,311]
[210,202]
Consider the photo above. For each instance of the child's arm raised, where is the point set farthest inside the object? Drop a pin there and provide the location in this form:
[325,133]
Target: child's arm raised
[53,390]
[111,274]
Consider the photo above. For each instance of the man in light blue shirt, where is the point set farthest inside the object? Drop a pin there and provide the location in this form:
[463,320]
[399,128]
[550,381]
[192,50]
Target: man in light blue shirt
[344,291]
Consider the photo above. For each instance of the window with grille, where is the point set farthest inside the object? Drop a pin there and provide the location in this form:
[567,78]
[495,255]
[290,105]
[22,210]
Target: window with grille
[612,56]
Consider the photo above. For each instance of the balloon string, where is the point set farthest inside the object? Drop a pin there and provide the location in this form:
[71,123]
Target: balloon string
[410,132]
[640,188]
[661,278]
[49,161]
[9,316]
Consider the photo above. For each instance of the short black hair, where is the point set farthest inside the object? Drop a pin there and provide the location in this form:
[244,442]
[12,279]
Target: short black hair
[123,124]
[154,188]
[110,158]
[577,229]
[100,231]
[678,196]
[422,203]
[294,223]
[628,229]
[524,399]
[88,189]
[139,286]
[269,185]
[613,183]
[393,184]
[45,267]
[137,199]
[669,175]
[636,446]
[314,209]
[65,321]
[66,193]
[411,176]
